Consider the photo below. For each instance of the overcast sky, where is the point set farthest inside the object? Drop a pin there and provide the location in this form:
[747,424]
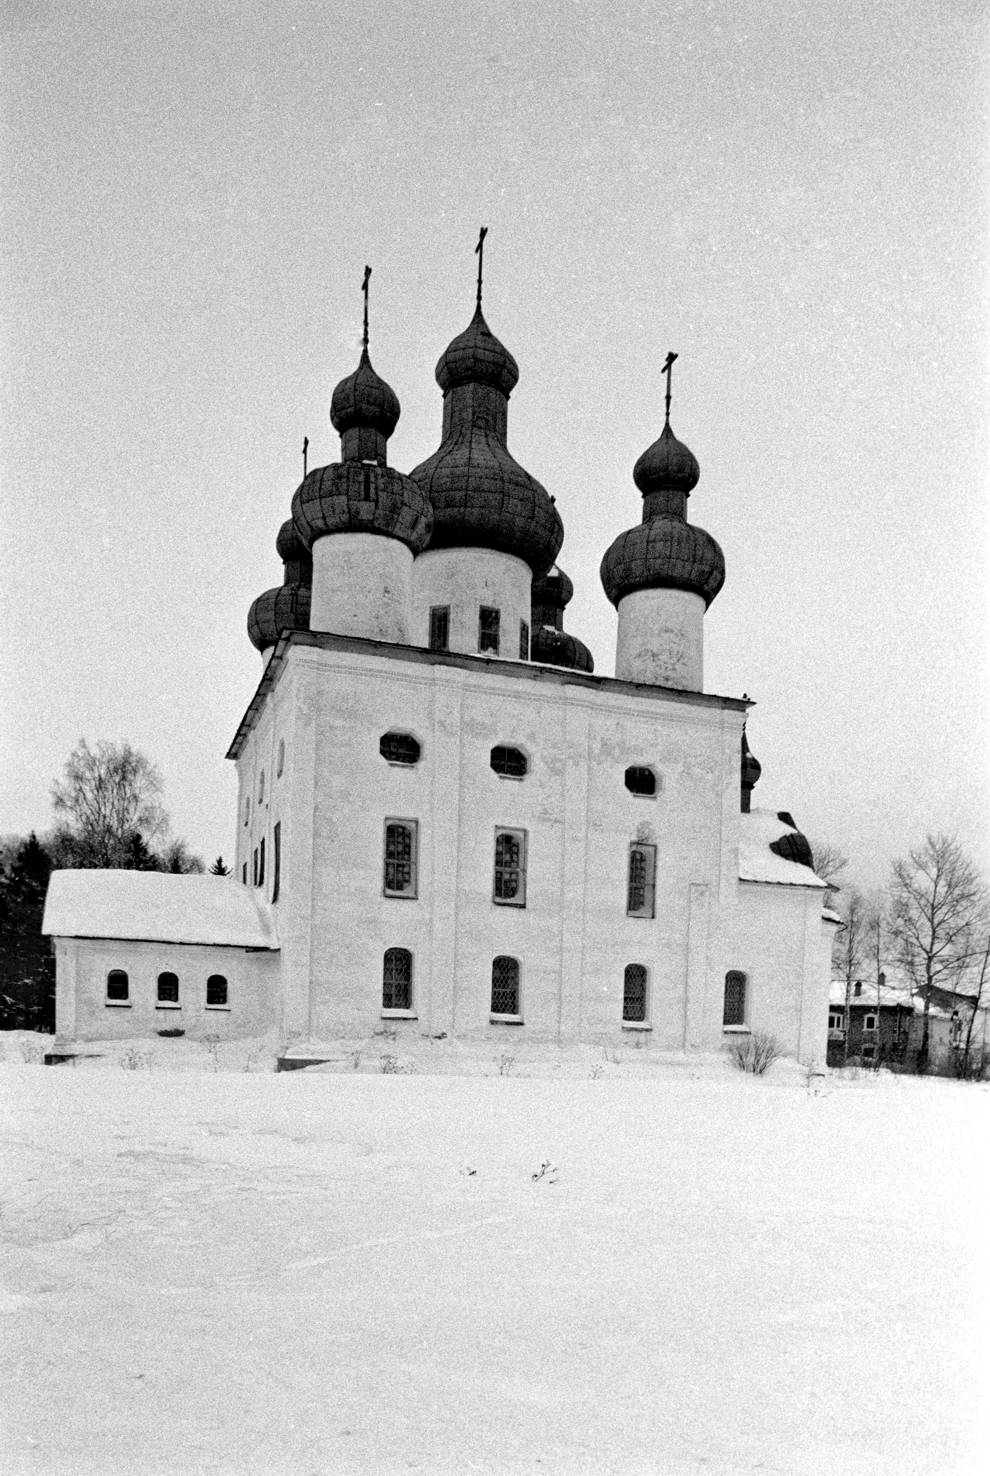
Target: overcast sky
[792,196]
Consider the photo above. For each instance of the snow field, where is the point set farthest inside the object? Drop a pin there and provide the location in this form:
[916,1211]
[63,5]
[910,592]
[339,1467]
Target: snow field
[322,1272]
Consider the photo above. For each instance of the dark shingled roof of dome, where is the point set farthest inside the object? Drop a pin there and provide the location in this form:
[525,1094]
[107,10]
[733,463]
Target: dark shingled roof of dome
[363,398]
[551,647]
[284,608]
[477,357]
[288,545]
[667,465]
[351,497]
[553,588]
[665,553]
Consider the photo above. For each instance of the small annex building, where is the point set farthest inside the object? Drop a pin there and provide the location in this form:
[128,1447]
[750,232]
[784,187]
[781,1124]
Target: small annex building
[448,824]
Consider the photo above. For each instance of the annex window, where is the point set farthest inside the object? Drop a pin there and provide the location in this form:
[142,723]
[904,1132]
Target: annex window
[505,986]
[168,988]
[734,1002]
[440,628]
[835,1019]
[276,859]
[216,992]
[510,867]
[397,979]
[280,762]
[118,987]
[399,748]
[641,887]
[634,994]
[400,858]
[641,780]
[488,624]
[261,787]
[523,641]
[511,763]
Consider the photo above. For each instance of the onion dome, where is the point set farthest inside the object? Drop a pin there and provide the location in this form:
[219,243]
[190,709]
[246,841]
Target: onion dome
[793,846]
[550,644]
[481,497]
[361,493]
[287,607]
[665,551]
[750,770]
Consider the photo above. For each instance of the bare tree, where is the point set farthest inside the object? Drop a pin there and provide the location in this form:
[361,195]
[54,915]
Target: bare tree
[937,902]
[977,1002]
[828,863]
[849,951]
[108,795]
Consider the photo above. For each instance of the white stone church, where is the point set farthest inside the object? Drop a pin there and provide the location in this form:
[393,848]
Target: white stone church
[448,825]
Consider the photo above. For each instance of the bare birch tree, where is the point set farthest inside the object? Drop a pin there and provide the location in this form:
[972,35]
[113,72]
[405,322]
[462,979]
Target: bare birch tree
[108,796]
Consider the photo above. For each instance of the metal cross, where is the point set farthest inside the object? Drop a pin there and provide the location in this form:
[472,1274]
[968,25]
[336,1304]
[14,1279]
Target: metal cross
[480,253]
[364,289]
[666,370]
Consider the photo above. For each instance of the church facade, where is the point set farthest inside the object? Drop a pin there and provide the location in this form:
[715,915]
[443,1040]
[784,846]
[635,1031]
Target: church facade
[448,825]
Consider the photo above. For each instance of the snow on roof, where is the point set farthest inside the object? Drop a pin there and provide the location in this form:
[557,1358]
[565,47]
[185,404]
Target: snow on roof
[890,994]
[158,907]
[758,863]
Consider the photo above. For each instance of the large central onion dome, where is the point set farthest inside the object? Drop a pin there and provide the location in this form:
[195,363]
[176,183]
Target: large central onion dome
[361,493]
[665,551]
[481,496]
[287,607]
[550,644]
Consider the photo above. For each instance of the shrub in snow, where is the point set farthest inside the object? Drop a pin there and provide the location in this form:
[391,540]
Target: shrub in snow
[390,1065]
[133,1060]
[506,1065]
[757,1053]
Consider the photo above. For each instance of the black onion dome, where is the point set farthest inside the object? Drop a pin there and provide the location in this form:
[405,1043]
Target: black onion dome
[553,590]
[289,546]
[364,399]
[750,766]
[549,646]
[285,608]
[477,357]
[665,553]
[358,497]
[667,465]
[480,495]
[793,846]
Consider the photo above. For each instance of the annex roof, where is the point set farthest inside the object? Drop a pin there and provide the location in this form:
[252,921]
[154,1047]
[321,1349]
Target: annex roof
[757,863]
[157,907]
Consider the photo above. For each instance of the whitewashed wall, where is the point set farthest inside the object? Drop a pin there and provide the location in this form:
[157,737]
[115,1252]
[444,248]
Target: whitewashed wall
[464,579]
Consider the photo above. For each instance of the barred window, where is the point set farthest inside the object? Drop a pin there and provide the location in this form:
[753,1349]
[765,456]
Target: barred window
[734,1007]
[118,986]
[488,624]
[168,988]
[641,886]
[397,979]
[399,748]
[510,867]
[216,991]
[641,780]
[400,858]
[505,986]
[511,763]
[634,994]
[523,641]
[440,628]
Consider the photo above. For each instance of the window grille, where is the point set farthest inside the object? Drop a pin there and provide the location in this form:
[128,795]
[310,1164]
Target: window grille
[488,624]
[505,986]
[400,858]
[276,859]
[168,988]
[399,748]
[397,979]
[510,867]
[641,781]
[216,990]
[634,994]
[118,985]
[440,628]
[509,762]
[641,888]
[734,1006]
[523,641]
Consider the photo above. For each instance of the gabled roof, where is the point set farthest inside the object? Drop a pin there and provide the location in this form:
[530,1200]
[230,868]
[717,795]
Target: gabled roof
[157,907]
[757,863]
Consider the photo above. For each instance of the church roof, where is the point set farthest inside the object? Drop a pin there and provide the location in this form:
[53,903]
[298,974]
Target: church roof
[758,831]
[155,906]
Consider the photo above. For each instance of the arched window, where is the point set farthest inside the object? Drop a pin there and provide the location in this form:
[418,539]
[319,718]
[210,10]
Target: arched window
[734,1006]
[118,987]
[168,988]
[505,986]
[399,748]
[641,781]
[216,992]
[400,858]
[397,979]
[510,868]
[511,763]
[634,994]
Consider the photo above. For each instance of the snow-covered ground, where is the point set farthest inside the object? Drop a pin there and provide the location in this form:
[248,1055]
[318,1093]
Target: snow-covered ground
[665,1269]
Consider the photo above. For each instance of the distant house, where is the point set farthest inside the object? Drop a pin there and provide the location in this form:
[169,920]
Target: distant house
[886,1025]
